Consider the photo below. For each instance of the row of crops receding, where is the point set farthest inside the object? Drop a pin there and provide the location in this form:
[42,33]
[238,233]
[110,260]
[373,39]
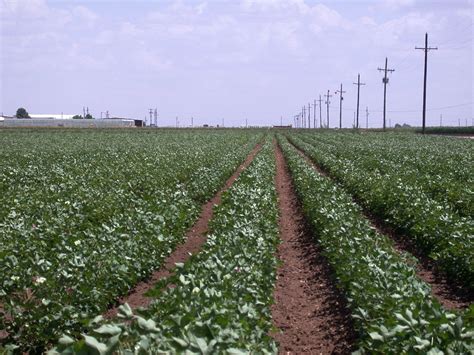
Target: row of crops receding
[87,214]
[421,186]
[221,302]
[393,309]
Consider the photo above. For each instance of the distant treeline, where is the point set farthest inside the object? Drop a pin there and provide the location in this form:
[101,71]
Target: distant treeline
[447,130]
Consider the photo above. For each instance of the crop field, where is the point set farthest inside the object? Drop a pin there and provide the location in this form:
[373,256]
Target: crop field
[93,220]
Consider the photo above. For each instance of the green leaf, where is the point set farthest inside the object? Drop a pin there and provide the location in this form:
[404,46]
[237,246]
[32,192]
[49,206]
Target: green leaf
[65,340]
[95,344]
[125,311]
[148,324]
[235,351]
[376,336]
[181,342]
[108,329]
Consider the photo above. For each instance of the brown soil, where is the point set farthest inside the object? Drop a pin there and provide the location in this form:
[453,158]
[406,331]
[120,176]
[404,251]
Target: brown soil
[309,310]
[195,238]
[445,290]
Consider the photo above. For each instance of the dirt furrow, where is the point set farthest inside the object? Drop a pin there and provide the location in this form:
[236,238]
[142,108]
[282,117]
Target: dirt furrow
[449,294]
[195,238]
[309,310]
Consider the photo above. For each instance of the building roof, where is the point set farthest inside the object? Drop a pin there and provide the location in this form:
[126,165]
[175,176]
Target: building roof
[52,116]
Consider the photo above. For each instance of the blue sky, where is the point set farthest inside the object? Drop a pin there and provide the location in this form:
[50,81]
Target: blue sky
[232,60]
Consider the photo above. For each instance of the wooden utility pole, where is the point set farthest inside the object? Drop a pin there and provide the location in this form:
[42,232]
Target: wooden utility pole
[385,82]
[426,49]
[320,112]
[367,117]
[303,117]
[358,96]
[314,114]
[340,92]
[309,115]
[327,106]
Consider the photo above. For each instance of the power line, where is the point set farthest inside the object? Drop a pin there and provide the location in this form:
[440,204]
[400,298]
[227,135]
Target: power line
[426,49]
[309,115]
[314,114]
[358,96]
[414,110]
[327,105]
[385,82]
[340,92]
[320,111]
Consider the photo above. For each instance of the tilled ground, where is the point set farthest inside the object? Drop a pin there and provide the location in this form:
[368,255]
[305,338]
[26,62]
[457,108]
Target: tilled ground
[449,294]
[195,238]
[309,309]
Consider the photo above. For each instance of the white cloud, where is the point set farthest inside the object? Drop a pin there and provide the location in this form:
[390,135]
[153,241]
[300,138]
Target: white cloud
[25,9]
[81,13]
[397,4]
[323,17]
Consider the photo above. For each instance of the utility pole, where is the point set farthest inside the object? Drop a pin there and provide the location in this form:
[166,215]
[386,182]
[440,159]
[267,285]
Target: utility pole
[340,92]
[320,112]
[309,115]
[385,82]
[192,121]
[358,96]
[246,123]
[177,122]
[441,120]
[367,117]
[281,120]
[304,116]
[314,114]
[327,106]
[426,49]
[156,117]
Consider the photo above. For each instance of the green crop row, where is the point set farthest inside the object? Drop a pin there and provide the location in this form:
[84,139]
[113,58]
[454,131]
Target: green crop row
[439,232]
[393,310]
[86,215]
[440,167]
[222,295]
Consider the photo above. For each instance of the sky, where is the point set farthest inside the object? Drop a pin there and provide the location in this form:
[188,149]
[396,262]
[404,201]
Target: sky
[228,61]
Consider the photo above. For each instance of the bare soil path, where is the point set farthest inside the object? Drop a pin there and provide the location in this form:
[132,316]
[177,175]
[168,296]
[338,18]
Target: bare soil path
[195,238]
[449,294]
[309,309]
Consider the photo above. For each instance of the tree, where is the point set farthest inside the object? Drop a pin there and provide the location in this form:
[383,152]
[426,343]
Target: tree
[77,117]
[89,117]
[22,113]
